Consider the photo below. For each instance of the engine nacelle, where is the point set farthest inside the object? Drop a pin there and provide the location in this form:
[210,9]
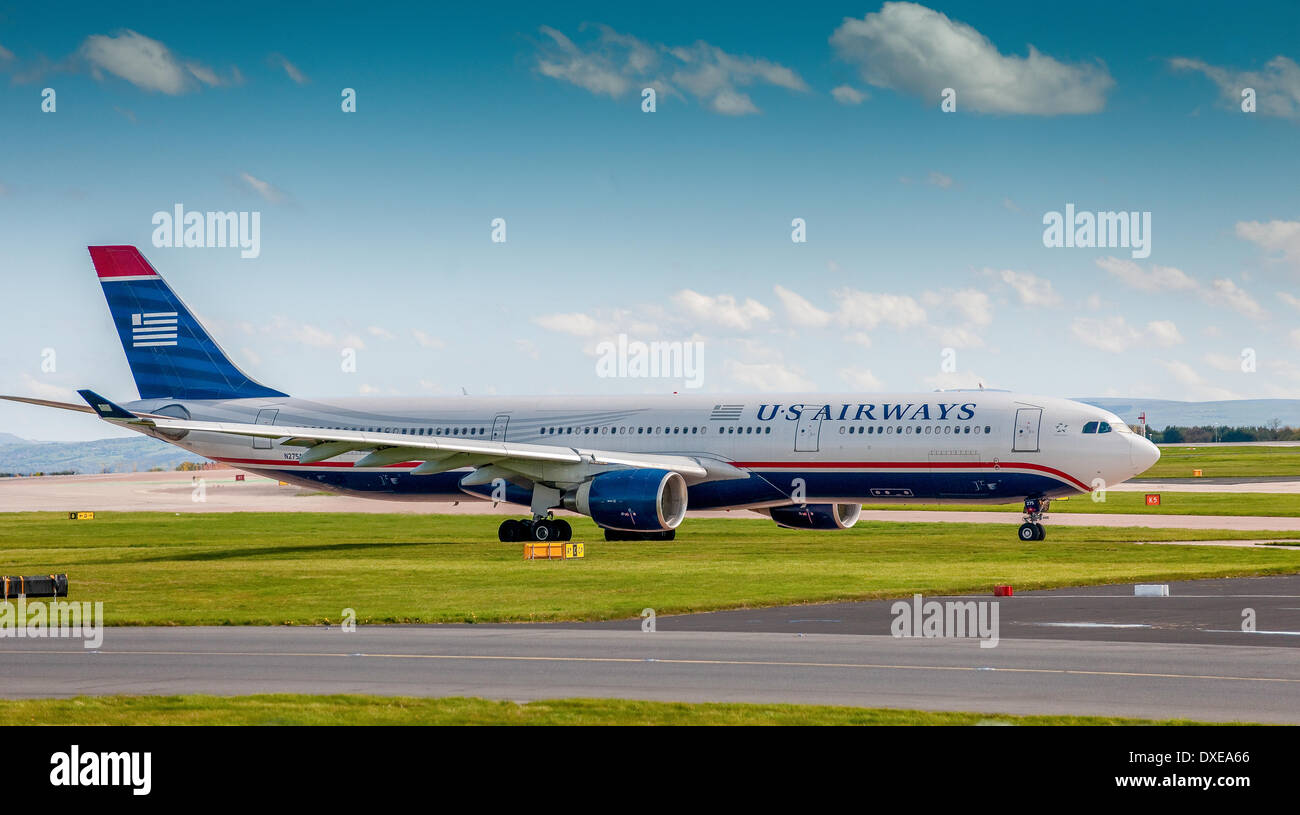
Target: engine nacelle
[816,516]
[632,500]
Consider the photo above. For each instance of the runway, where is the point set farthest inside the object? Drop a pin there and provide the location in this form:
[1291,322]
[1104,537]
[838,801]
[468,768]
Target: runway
[1182,666]
[1196,612]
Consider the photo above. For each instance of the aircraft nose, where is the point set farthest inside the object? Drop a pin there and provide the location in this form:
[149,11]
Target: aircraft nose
[1143,454]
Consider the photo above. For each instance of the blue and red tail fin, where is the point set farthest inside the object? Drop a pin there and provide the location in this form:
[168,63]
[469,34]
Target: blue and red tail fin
[170,353]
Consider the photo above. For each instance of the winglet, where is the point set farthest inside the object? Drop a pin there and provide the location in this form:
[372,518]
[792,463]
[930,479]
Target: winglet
[105,408]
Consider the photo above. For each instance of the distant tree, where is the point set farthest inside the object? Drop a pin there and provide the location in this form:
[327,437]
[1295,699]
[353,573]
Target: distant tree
[1172,435]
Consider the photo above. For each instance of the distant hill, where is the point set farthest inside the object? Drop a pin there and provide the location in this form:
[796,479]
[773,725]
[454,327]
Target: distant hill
[101,456]
[1234,412]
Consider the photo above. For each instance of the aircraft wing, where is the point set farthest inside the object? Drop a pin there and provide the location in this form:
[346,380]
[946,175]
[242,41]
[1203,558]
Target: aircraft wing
[439,453]
[547,463]
[49,403]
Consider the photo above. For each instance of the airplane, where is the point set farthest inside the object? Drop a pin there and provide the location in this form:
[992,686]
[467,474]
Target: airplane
[633,464]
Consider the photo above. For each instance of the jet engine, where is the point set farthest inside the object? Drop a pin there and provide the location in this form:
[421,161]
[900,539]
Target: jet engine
[816,516]
[632,500]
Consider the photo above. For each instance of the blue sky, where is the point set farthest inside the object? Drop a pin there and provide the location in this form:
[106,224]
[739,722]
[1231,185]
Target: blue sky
[924,228]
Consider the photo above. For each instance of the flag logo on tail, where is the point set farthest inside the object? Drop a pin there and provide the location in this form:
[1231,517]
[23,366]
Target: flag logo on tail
[153,329]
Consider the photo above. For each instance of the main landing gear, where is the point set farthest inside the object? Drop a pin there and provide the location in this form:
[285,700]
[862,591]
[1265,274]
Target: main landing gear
[538,529]
[1032,529]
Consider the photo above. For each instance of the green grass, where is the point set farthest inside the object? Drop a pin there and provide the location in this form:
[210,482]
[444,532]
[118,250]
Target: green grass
[289,709]
[1281,505]
[1219,462]
[271,568]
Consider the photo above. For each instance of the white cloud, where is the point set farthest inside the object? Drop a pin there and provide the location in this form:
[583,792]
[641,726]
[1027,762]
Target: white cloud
[614,64]
[938,179]
[381,332]
[42,389]
[1290,299]
[5,54]
[251,356]
[1182,373]
[1112,334]
[1274,236]
[575,323]
[914,49]
[266,189]
[1224,290]
[1165,279]
[848,95]
[310,335]
[528,348]
[144,62]
[1158,279]
[859,338]
[1031,289]
[963,314]
[731,102]
[1198,388]
[975,306]
[1164,333]
[1115,335]
[1223,362]
[767,376]
[426,341]
[866,310]
[860,379]
[596,71]
[724,309]
[799,311]
[1277,87]
[289,68]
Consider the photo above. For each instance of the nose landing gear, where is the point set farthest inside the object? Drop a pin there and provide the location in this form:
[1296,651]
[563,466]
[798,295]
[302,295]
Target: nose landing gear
[1032,529]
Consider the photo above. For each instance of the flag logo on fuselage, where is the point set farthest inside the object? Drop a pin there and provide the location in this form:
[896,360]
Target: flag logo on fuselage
[153,329]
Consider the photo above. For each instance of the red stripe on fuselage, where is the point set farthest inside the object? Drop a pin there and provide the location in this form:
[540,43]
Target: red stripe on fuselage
[907,465]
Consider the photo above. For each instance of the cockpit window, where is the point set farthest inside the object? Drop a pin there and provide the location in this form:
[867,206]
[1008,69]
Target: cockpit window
[1106,427]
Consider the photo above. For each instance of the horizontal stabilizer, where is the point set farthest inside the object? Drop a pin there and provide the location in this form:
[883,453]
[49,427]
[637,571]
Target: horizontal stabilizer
[105,408]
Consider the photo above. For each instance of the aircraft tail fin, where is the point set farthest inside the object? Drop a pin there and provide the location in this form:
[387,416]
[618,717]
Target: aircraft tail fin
[170,353]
